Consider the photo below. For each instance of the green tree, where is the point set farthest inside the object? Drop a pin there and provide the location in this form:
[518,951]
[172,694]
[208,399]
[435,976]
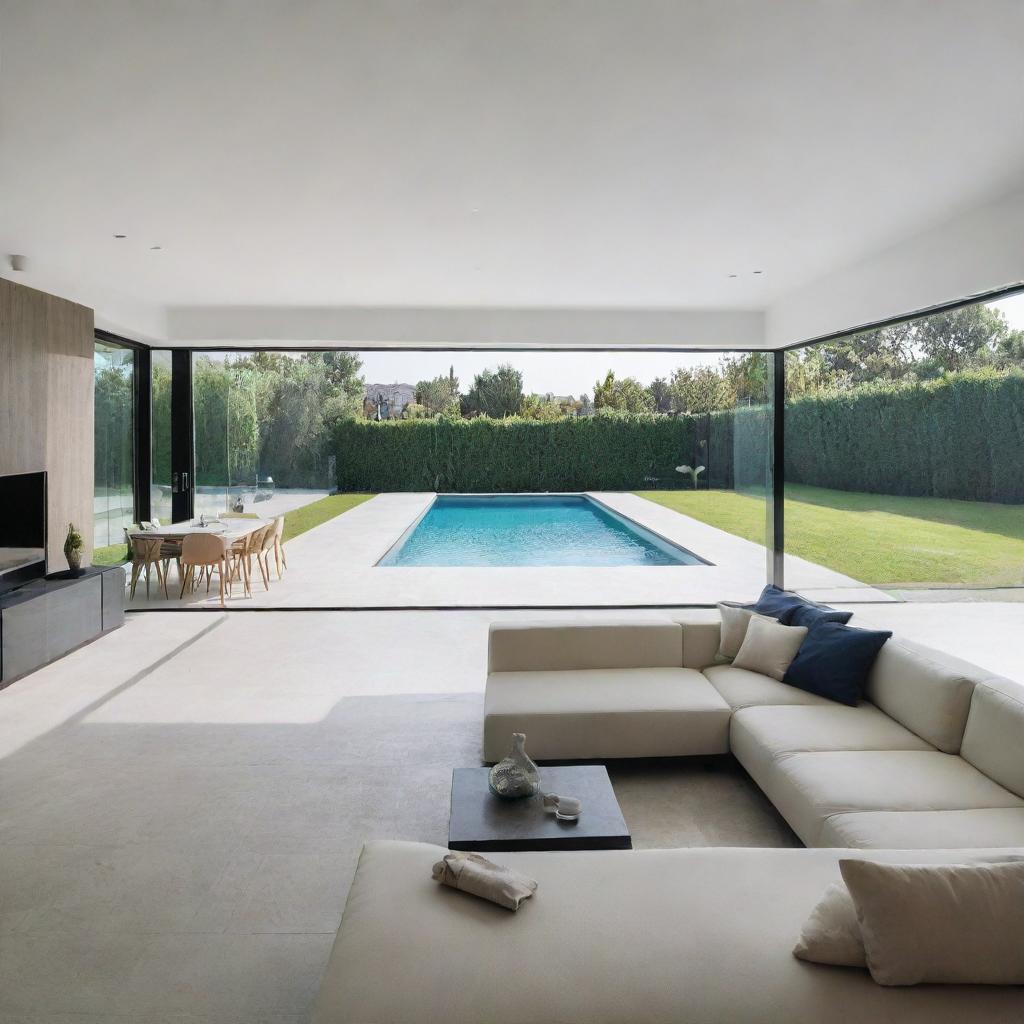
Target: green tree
[542,407]
[661,395]
[627,395]
[497,393]
[439,395]
[700,390]
[961,339]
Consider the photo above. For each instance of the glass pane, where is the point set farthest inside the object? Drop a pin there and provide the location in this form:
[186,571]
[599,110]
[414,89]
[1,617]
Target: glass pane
[113,496]
[211,397]
[160,445]
[905,458]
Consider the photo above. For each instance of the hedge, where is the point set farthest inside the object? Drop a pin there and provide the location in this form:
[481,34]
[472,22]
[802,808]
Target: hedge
[961,436]
[958,437]
[613,453]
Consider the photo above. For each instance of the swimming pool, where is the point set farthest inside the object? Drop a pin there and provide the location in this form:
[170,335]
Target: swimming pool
[527,529]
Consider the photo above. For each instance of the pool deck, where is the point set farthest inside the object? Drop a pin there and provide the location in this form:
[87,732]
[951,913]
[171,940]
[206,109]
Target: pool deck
[334,566]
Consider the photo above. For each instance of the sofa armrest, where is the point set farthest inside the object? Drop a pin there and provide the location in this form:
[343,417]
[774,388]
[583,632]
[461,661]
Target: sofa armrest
[554,646]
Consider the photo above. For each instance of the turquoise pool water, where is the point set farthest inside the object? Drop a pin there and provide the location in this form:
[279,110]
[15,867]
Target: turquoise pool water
[530,530]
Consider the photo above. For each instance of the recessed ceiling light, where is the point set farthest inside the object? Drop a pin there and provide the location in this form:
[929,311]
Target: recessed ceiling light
[156,247]
[758,271]
[734,275]
[120,236]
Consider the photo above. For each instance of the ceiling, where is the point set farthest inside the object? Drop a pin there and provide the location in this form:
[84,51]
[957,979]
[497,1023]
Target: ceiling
[475,155]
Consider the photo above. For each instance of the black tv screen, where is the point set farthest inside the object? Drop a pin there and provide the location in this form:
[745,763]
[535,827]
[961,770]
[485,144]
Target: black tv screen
[22,527]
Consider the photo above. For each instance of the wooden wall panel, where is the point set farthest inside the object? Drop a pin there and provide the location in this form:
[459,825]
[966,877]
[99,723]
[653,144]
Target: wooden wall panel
[46,405]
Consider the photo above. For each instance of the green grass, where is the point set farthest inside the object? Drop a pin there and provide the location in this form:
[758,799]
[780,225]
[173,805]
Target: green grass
[112,554]
[318,512]
[877,538]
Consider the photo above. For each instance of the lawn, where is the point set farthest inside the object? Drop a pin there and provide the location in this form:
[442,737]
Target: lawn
[298,521]
[877,538]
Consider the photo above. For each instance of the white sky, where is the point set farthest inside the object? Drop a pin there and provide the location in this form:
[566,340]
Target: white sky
[563,373]
[560,373]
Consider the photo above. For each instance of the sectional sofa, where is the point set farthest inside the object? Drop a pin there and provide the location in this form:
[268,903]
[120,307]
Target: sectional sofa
[928,769]
[934,758]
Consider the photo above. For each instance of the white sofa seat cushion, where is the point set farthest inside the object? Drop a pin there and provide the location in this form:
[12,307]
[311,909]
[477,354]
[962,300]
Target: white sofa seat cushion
[994,737]
[690,936]
[640,712]
[758,735]
[808,788]
[926,690]
[744,689]
[923,830]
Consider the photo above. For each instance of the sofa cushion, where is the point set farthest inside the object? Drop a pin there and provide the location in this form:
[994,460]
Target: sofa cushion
[690,936]
[927,691]
[735,619]
[769,647]
[743,689]
[556,646]
[810,615]
[758,735]
[808,788]
[834,661]
[923,830]
[639,712]
[940,923]
[994,737]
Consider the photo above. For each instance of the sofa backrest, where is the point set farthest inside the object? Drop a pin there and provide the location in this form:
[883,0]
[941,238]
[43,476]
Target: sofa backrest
[994,737]
[925,690]
[702,636]
[553,646]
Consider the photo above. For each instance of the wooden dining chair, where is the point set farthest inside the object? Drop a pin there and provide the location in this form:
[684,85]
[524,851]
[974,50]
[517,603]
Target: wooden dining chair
[242,552]
[267,545]
[205,551]
[146,552]
[279,557]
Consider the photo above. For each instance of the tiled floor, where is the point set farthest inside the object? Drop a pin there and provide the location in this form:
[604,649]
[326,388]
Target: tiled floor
[182,803]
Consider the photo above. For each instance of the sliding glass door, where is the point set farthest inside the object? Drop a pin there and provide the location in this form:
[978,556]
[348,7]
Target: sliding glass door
[114,434]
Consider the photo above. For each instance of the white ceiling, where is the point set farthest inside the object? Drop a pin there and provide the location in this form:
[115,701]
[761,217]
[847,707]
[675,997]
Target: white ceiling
[543,155]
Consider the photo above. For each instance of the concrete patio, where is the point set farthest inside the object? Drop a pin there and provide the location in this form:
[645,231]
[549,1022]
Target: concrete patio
[335,566]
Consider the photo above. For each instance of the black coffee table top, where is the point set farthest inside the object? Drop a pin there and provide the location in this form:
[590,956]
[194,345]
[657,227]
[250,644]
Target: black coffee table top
[481,821]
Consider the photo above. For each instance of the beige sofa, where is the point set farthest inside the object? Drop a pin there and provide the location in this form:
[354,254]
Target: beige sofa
[934,758]
[694,936]
[929,769]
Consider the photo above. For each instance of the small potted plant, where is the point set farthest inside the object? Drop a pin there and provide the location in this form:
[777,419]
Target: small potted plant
[73,547]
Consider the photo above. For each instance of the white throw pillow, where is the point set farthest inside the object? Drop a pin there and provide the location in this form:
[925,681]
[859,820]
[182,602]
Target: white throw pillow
[832,934]
[769,647]
[940,923]
[735,619]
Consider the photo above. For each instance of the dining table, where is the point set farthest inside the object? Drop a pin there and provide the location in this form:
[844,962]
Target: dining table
[230,528]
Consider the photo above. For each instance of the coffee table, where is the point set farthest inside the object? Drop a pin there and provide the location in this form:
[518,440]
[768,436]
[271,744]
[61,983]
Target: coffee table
[481,821]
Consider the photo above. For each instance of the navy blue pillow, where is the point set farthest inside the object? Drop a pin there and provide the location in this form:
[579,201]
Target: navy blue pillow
[777,603]
[810,614]
[834,661]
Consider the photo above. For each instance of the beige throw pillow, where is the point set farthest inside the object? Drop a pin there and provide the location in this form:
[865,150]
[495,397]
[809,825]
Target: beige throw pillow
[945,924]
[832,934]
[769,647]
[735,619]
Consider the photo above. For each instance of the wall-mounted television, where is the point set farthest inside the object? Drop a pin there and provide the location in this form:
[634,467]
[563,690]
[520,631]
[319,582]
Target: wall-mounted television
[22,528]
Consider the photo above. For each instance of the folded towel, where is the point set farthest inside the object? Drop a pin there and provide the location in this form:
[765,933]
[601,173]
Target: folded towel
[477,875]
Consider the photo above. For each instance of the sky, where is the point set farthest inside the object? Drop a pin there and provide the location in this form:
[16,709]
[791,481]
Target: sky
[563,373]
[558,373]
